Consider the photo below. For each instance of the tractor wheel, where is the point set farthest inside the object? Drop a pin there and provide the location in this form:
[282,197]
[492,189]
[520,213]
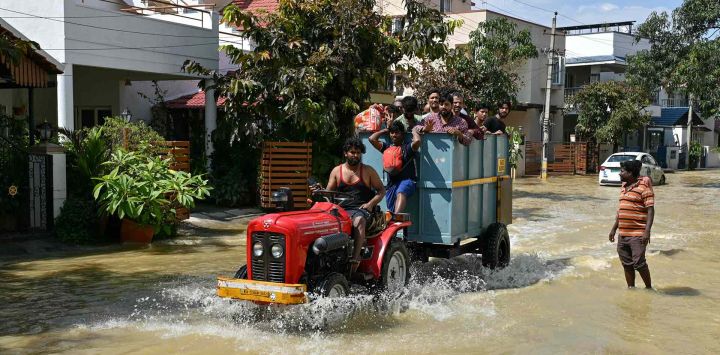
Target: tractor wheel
[241,273]
[496,247]
[333,285]
[395,272]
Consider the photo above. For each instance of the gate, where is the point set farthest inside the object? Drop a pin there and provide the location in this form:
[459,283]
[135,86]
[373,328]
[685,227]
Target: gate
[563,158]
[26,201]
[286,164]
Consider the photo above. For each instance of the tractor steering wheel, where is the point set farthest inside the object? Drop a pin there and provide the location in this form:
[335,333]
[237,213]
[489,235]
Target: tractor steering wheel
[336,197]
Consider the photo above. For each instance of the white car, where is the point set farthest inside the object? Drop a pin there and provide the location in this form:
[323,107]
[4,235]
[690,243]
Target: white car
[610,169]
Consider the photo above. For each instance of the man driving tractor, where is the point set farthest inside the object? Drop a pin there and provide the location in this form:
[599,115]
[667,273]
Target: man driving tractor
[364,185]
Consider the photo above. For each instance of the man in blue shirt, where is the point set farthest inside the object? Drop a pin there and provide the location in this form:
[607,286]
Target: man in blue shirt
[399,163]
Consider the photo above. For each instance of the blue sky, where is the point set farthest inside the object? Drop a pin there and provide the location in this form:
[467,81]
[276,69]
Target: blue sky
[577,12]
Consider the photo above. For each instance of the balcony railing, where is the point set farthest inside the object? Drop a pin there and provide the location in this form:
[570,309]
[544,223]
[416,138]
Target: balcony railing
[673,102]
[570,93]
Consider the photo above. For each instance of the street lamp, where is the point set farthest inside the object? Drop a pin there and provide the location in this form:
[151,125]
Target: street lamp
[126,115]
[46,131]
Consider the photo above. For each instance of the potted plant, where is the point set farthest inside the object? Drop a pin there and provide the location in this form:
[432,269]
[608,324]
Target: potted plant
[143,192]
[695,154]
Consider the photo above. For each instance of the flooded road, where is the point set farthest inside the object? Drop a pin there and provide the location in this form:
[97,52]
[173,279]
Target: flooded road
[563,292]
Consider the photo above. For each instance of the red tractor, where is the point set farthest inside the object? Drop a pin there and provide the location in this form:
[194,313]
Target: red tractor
[462,206]
[290,253]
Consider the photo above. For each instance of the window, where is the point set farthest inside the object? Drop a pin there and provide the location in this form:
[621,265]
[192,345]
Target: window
[398,23]
[620,158]
[558,71]
[91,116]
[445,6]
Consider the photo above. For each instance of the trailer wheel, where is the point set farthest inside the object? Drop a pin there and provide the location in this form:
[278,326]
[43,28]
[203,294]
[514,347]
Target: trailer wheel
[496,246]
[395,272]
[241,273]
[333,285]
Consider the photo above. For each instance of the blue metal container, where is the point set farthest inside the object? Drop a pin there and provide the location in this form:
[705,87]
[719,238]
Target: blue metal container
[457,195]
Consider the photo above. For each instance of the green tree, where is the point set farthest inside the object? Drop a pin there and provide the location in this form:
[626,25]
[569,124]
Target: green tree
[313,67]
[684,53]
[608,110]
[315,62]
[486,70]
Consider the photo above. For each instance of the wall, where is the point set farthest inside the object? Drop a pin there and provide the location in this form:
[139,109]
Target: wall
[140,107]
[48,34]
[603,44]
[100,35]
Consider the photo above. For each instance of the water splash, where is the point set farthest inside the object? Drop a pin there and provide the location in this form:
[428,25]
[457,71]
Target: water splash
[188,305]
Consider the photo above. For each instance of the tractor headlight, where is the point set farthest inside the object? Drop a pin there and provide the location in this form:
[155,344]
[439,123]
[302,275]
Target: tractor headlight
[258,249]
[277,251]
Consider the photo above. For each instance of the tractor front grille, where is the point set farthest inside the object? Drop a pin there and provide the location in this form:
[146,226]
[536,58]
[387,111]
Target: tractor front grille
[266,267]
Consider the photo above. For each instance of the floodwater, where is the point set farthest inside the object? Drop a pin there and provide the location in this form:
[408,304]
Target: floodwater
[563,292]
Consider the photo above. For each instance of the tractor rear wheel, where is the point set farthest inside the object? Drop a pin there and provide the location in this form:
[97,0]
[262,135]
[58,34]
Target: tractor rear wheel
[496,246]
[395,272]
[333,285]
[241,273]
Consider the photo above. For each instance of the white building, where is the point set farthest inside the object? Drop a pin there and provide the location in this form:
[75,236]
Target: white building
[111,49]
[598,53]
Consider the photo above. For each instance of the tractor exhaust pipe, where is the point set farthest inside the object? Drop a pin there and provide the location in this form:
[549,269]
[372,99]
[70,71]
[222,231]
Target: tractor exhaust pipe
[330,242]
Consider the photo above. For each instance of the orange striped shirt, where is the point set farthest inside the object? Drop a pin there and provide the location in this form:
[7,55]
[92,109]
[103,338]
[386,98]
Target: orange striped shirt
[634,202]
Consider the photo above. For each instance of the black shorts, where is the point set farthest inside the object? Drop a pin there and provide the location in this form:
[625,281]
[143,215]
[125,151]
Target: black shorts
[374,222]
[360,212]
[631,251]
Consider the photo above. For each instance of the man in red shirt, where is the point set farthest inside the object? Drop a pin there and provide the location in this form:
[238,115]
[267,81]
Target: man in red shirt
[634,220]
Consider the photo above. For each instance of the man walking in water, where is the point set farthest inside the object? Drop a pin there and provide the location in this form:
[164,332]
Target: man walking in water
[364,185]
[634,220]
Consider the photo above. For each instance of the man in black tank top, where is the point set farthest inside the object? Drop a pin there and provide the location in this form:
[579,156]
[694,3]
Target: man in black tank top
[363,183]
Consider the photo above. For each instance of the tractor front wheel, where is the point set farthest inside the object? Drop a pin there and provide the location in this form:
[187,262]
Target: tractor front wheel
[333,285]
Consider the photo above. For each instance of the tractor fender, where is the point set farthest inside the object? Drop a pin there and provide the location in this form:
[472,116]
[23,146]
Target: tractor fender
[374,264]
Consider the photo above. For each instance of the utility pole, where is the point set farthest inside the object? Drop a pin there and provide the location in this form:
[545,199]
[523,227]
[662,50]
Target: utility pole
[689,132]
[546,111]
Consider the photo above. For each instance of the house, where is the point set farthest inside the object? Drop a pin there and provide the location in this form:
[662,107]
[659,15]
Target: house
[109,47]
[598,53]
[531,98]
[23,83]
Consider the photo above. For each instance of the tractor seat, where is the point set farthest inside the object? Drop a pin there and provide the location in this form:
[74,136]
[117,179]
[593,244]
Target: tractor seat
[377,226]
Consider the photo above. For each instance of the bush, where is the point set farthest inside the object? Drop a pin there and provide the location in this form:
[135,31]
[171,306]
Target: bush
[143,188]
[77,222]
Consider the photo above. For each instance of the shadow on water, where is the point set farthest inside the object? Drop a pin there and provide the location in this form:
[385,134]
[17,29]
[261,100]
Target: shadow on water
[679,291]
[555,196]
[533,214]
[670,252]
[710,185]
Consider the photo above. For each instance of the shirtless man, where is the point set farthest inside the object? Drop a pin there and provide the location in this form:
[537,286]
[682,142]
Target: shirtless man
[364,185]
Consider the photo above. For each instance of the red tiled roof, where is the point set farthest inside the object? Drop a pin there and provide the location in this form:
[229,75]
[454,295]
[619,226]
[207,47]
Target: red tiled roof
[257,5]
[196,100]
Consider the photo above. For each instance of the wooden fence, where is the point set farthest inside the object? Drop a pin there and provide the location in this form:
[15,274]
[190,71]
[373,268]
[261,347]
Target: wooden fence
[179,152]
[286,164]
[563,158]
